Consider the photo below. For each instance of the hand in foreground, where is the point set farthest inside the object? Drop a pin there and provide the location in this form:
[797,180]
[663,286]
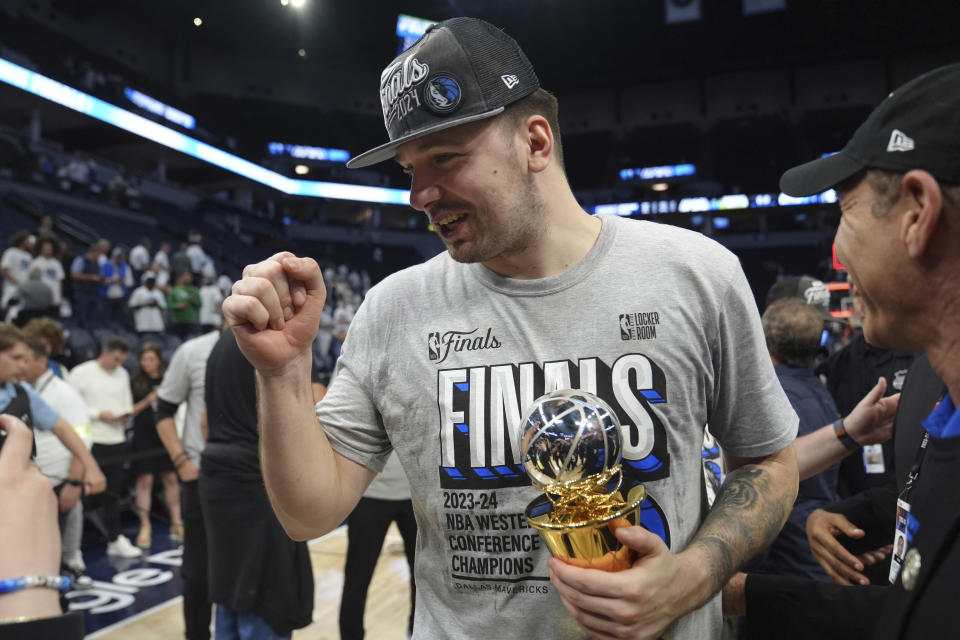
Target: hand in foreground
[29,533]
[94,481]
[735,595]
[871,421]
[841,566]
[275,309]
[870,558]
[188,471]
[69,497]
[639,602]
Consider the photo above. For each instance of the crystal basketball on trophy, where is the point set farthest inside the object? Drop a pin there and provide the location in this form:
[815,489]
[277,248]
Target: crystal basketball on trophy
[571,448]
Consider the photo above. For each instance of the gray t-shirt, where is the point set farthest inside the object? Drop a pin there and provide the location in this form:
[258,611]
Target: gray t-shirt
[442,359]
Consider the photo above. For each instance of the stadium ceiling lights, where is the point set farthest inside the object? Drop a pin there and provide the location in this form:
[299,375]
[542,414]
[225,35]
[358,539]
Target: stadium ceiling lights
[49,89]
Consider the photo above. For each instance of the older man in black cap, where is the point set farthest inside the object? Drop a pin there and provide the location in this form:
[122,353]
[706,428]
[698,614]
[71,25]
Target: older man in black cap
[898,181]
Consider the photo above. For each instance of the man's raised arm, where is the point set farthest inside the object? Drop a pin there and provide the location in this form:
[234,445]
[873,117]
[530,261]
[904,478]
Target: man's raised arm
[274,312]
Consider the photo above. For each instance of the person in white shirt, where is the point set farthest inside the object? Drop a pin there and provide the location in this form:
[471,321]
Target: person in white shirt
[210,300]
[148,303]
[51,270]
[197,257]
[162,256]
[14,266]
[61,467]
[225,283]
[105,386]
[140,257]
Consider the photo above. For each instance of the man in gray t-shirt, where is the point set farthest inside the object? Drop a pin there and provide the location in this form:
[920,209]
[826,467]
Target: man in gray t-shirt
[532,295]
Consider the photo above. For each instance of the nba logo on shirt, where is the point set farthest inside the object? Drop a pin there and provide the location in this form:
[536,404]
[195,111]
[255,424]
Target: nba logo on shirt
[626,322]
[433,345]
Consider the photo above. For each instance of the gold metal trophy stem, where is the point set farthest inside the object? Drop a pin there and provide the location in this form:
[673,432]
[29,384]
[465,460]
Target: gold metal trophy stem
[588,541]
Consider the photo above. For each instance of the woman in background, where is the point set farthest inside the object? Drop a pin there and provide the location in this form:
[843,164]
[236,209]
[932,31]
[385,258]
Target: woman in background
[144,383]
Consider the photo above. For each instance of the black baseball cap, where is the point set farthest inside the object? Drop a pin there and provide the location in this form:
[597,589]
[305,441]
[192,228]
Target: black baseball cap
[807,288]
[461,70]
[916,127]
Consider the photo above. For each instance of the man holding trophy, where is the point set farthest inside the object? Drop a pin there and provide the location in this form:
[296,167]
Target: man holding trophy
[444,360]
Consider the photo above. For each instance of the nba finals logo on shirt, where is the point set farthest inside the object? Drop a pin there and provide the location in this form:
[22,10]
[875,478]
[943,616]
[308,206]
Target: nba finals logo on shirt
[480,467]
[639,326]
[439,345]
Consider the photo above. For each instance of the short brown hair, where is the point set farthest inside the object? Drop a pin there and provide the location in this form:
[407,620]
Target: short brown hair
[116,343]
[792,329]
[47,329]
[542,103]
[39,347]
[10,336]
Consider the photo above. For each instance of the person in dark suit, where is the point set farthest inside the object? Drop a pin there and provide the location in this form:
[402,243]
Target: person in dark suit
[847,537]
[898,183]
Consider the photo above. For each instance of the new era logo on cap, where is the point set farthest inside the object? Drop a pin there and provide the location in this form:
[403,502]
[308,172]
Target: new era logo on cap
[899,141]
[510,80]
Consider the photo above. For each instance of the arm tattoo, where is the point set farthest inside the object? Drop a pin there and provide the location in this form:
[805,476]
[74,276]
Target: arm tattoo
[743,521]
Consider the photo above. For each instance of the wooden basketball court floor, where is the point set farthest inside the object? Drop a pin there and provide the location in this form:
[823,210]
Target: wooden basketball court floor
[388,600]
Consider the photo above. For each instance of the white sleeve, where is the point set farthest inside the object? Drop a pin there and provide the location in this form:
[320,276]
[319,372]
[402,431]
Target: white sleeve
[74,410]
[176,381]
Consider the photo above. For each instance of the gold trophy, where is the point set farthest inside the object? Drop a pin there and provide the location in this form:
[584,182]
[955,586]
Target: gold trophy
[571,448]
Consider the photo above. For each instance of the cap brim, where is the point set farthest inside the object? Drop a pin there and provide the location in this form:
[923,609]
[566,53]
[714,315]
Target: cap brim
[387,151]
[819,175]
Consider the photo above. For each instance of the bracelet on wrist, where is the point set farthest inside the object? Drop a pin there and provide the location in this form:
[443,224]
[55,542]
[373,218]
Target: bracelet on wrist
[60,583]
[20,619]
[840,431]
[179,456]
[74,483]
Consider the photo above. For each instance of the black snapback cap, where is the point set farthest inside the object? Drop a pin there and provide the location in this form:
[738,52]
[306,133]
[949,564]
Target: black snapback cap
[916,127]
[461,70]
[807,288]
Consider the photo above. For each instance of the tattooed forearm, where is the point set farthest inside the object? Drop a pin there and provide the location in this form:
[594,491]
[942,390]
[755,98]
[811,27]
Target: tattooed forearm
[739,491]
[750,509]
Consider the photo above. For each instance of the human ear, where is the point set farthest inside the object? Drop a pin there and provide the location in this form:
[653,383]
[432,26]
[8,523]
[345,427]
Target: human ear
[539,143]
[925,206]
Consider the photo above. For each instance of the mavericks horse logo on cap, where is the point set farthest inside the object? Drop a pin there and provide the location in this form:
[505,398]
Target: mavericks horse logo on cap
[442,94]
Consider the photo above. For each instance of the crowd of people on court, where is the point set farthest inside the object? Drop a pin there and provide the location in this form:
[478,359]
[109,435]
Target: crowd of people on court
[121,403]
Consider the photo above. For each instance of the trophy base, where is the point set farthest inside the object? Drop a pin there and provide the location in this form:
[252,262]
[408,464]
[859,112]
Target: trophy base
[591,543]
